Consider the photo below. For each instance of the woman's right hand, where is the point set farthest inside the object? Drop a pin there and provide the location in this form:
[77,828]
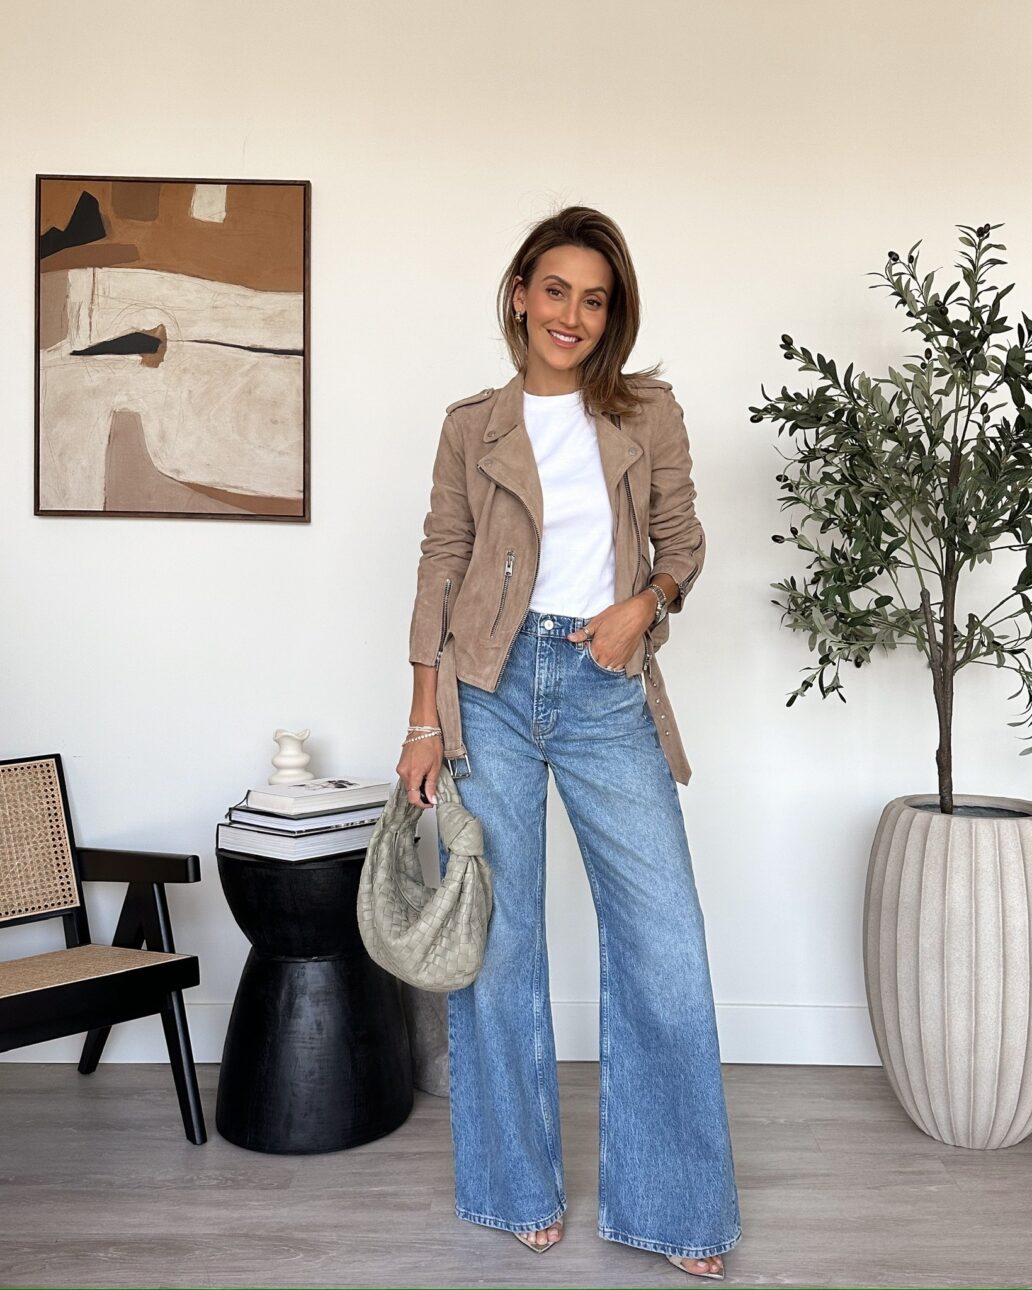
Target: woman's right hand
[420,763]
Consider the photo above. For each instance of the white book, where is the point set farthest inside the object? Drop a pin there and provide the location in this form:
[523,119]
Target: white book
[316,795]
[304,823]
[260,842]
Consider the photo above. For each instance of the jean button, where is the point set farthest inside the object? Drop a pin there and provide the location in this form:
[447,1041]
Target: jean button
[547,624]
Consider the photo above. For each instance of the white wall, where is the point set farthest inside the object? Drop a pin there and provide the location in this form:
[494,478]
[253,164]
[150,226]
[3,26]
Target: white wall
[760,158]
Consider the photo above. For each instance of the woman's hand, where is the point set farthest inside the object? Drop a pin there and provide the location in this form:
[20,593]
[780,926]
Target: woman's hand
[421,761]
[616,630]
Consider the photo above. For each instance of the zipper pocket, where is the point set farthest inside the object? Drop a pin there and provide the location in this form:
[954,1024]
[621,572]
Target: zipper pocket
[444,621]
[537,550]
[510,558]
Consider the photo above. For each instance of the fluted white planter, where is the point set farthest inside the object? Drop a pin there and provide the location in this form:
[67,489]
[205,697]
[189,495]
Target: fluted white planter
[948,964]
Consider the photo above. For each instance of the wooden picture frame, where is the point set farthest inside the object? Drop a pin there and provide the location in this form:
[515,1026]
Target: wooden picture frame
[172,348]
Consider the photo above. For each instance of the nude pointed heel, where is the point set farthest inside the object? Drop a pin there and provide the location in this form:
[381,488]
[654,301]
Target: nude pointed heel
[525,1238]
[675,1260]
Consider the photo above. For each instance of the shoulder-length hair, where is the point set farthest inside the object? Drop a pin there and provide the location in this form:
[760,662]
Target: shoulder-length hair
[607,388]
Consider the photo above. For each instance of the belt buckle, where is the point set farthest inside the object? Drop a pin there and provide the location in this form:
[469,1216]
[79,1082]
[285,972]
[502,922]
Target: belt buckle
[451,766]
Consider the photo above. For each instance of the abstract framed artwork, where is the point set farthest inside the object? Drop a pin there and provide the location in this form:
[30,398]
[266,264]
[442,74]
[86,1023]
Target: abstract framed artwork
[172,347]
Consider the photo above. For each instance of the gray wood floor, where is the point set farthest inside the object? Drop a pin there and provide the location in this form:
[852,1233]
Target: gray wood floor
[99,1187]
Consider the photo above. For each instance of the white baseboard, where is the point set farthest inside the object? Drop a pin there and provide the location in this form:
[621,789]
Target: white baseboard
[777,1034]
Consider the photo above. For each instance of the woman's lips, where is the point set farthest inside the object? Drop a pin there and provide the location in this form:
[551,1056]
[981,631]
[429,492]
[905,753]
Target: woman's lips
[560,340]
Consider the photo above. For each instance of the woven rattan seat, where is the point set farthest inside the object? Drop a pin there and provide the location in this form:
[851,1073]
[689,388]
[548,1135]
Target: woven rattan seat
[80,963]
[86,988]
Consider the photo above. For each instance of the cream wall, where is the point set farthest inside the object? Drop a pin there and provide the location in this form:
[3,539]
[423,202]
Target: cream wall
[760,158]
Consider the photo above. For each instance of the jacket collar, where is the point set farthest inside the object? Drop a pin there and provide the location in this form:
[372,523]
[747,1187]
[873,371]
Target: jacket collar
[510,457]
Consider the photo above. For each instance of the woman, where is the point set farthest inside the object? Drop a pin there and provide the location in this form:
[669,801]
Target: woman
[537,616]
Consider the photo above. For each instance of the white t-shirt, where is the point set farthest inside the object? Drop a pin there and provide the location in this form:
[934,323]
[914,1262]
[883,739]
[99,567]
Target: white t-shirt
[576,575]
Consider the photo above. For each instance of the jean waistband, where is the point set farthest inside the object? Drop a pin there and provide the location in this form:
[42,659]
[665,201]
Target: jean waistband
[537,623]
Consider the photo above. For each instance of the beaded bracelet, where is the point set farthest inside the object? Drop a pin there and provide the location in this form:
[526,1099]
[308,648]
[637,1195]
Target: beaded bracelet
[415,738]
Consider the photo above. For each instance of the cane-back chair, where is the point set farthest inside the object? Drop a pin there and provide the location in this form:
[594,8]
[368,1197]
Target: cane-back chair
[87,988]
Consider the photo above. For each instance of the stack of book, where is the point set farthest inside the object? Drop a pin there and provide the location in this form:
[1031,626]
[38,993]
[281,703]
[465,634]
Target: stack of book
[319,817]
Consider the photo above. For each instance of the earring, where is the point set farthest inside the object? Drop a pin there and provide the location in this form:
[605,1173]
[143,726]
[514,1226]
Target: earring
[518,316]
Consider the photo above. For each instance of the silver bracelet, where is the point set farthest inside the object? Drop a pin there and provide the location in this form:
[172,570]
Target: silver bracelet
[424,728]
[661,600]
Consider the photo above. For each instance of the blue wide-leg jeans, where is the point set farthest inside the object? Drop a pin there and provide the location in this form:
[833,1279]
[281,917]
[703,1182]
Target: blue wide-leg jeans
[666,1175]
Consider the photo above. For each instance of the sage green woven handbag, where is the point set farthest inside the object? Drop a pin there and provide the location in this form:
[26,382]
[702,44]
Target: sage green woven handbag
[431,937]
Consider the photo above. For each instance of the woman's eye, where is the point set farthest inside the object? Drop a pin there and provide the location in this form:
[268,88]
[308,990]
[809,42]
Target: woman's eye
[593,300]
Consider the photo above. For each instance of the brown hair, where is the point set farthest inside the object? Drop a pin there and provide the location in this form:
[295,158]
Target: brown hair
[607,388]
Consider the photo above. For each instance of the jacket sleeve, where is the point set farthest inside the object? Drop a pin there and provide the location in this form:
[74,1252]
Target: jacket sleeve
[678,540]
[446,548]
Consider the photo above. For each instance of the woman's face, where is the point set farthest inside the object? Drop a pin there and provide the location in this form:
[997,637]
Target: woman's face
[566,305]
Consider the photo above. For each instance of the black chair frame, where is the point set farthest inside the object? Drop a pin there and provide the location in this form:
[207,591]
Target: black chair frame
[95,1004]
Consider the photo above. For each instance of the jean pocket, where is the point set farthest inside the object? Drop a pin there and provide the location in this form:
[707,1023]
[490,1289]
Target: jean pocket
[609,671]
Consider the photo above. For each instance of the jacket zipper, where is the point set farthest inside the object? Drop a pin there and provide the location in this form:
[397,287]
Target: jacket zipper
[510,557]
[444,621]
[537,558]
[634,517]
[647,663]
[630,505]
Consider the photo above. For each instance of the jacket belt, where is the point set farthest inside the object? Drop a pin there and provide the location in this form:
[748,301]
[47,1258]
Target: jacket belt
[448,710]
[663,716]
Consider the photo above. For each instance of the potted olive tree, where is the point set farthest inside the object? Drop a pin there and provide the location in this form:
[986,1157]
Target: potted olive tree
[903,484]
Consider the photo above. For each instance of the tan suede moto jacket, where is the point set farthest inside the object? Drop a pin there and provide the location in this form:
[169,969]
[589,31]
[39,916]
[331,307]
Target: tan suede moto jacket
[482,542]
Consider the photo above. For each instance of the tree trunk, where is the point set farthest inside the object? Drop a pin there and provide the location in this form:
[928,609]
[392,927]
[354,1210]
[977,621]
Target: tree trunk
[944,752]
[943,664]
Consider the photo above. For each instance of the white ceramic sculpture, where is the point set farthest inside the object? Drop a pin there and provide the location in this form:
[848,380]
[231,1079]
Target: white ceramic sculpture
[291,761]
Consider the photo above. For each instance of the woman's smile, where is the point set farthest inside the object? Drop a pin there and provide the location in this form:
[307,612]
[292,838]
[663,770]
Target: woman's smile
[564,339]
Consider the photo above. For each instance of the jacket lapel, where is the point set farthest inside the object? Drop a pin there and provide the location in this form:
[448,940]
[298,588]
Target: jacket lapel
[509,459]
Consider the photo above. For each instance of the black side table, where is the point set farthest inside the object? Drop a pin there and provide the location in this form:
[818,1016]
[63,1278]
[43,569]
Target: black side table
[317,1054]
